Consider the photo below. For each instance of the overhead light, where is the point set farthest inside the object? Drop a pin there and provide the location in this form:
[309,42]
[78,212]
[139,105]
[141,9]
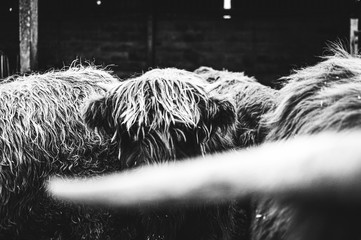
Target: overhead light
[226,16]
[10,9]
[99,2]
[227,4]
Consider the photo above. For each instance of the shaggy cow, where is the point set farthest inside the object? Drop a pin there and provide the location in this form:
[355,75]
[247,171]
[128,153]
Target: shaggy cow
[41,134]
[171,114]
[252,101]
[167,115]
[321,98]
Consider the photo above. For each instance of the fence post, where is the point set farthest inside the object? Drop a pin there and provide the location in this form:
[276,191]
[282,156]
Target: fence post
[28,34]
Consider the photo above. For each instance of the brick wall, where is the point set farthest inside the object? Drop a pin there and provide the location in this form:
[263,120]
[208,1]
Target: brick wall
[9,38]
[120,43]
[266,48]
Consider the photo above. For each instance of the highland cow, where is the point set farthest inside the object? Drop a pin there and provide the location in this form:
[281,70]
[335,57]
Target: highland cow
[41,134]
[172,114]
[252,101]
[316,177]
[325,97]
[167,115]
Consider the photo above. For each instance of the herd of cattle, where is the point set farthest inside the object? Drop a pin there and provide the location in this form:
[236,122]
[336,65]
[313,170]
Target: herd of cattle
[84,122]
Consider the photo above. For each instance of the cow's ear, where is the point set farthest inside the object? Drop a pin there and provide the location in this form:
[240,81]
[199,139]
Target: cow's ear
[98,115]
[221,113]
[217,114]
[218,118]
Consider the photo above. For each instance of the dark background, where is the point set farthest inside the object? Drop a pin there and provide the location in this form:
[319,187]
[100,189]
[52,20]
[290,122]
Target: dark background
[264,38]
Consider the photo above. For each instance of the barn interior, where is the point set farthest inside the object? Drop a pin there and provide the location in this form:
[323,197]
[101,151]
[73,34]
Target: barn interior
[62,119]
[265,39]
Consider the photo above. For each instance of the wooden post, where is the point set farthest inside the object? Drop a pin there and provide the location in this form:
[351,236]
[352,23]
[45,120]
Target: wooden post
[354,36]
[354,28]
[28,33]
[2,74]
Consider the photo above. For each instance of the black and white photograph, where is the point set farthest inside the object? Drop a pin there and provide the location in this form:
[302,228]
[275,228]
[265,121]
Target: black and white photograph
[180,120]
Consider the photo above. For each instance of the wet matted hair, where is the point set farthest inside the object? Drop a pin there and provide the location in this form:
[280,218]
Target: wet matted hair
[251,99]
[42,133]
[168,115]
[316,99]
[163,115]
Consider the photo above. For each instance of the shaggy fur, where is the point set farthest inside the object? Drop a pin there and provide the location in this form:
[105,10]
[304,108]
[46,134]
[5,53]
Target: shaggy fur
[212,75]
[41,134]
[251,99]
[167,115]
[159,112]
[324,97]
